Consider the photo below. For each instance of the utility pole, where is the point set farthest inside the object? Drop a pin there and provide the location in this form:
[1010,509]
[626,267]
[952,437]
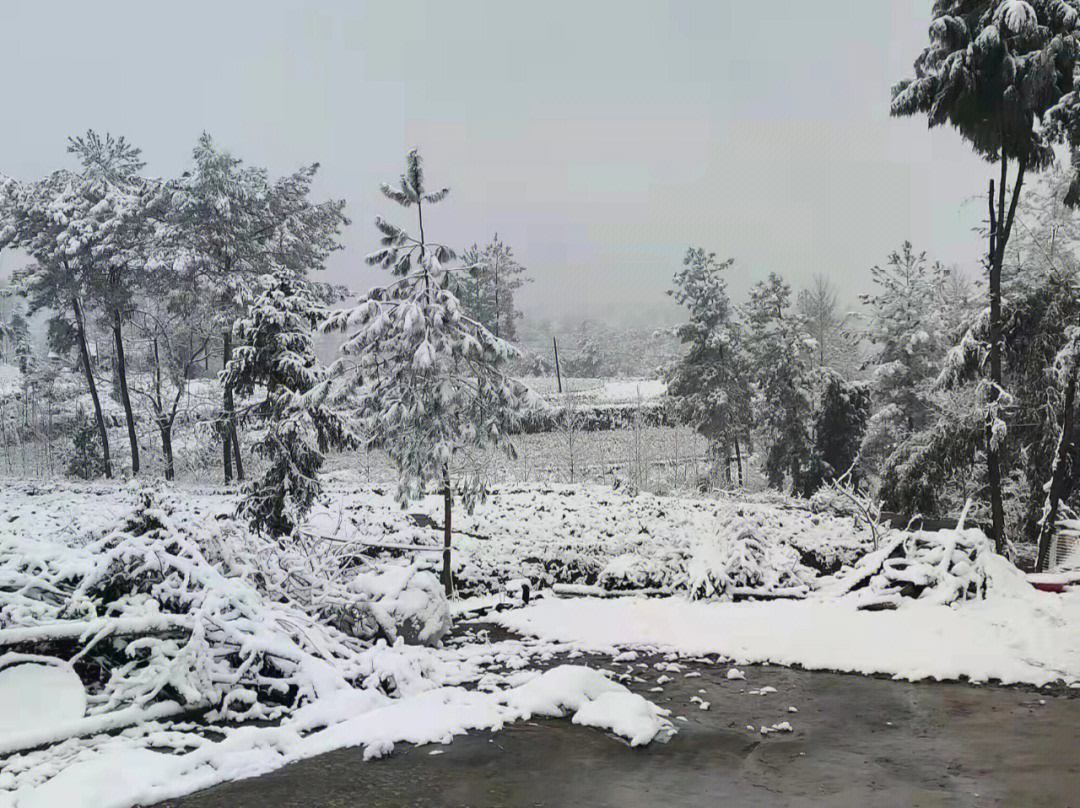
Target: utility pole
[558,374]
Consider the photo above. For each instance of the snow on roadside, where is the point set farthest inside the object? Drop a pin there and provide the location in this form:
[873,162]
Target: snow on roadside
[121,773]
[1015,635]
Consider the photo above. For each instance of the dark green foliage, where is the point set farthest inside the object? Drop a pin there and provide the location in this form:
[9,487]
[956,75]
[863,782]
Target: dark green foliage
[276,354]
[841,413]
[921,471]
[85,462]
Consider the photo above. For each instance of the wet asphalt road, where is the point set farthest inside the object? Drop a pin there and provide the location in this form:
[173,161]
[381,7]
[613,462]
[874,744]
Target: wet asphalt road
[857,741]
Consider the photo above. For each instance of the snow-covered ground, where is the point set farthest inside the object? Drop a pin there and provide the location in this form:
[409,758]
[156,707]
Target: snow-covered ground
[250,655]
[599,392]
[1017,635]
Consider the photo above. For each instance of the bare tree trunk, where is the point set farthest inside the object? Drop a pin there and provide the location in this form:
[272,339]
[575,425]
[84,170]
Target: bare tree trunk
[1000,227]
[738,461]
[166,449]
[235,438]
[1060,472]
[84,352]
[226,409]
[447,572]
[125,398]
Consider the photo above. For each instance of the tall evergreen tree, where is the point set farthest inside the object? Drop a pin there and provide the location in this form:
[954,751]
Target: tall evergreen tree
[86,232]
[428,379]
[1002,73]
[712,382]
[903,321]
[230,225]
[779,356]
[276,355]
[841,410]
[488,292]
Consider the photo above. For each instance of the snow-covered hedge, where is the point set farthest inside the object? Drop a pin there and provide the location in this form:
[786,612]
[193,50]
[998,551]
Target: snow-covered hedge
[398,601]
[593,535]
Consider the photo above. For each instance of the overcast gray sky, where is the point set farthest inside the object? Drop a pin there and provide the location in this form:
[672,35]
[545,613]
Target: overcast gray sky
[598,139]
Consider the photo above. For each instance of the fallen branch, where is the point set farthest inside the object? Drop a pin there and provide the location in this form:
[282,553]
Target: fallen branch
[92,725]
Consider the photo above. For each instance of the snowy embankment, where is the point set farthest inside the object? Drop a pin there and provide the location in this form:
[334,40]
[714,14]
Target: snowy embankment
[1015,635]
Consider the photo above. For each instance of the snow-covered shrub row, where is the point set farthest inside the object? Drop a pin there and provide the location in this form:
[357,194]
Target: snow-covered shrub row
[943,566]
[174,604]
[594,535]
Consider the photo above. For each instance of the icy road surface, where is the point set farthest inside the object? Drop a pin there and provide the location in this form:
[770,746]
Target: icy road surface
[854,740]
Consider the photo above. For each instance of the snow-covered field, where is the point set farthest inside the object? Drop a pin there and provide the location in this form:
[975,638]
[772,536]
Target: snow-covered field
[181,651]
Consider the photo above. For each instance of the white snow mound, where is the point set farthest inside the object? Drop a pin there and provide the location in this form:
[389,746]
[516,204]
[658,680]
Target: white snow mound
[38,696]
[405,602]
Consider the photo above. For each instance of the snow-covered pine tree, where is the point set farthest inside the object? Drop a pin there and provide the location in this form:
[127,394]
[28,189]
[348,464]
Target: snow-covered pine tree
[779,356]
[712,382]
[1002,72]
[487,293]
[86,231]
[428,379]
[124,213]
[230,225]
[275,354]
[903,321]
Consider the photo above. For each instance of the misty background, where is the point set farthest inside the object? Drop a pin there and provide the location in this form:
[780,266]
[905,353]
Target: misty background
[598,139]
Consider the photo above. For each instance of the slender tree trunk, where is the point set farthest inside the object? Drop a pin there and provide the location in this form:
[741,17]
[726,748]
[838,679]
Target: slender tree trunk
[84,351]
[1060,471]
[447,572]
[1000,228]
[993,463]
[125,398]
[226,408]
[234,436]
[496,289]
[166,449]
[738,461]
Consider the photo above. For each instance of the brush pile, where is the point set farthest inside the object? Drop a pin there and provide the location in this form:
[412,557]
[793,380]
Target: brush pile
[174,606]
[945,566]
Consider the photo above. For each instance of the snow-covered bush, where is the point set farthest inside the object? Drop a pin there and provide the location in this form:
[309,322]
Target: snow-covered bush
[406,602]
[174,606]
[945,566]
[741,560]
